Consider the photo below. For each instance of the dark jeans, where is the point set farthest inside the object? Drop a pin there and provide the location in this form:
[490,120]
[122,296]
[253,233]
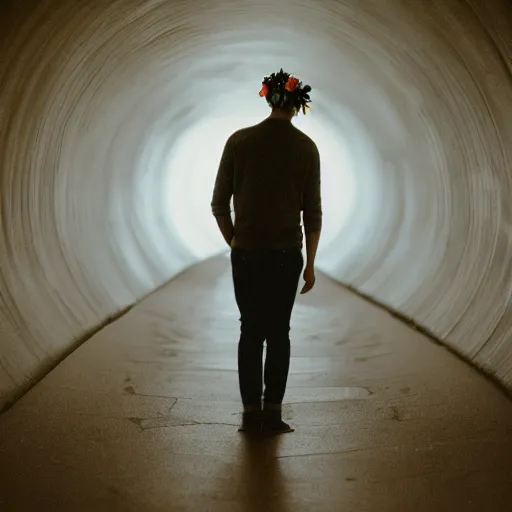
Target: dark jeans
[265,283]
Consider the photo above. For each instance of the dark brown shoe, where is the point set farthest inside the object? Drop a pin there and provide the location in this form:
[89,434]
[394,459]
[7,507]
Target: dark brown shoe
[273,423]
[251,422]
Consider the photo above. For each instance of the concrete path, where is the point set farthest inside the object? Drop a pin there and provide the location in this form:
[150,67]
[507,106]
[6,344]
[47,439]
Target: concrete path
[144,416]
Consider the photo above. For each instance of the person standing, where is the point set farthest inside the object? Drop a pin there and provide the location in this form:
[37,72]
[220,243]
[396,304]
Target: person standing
[272,171]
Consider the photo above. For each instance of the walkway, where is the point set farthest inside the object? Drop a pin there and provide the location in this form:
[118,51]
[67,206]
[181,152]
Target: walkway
[143,417]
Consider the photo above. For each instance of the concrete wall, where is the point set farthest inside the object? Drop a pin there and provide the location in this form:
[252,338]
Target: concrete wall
[94,96]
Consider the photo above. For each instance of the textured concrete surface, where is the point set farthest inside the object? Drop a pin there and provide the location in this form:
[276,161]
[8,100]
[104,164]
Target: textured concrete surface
[143,417]
[95,95]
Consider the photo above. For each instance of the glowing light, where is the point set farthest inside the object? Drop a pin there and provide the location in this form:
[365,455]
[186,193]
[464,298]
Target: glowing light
[193,168]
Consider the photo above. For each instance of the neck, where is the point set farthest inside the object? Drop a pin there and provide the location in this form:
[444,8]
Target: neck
[280,114]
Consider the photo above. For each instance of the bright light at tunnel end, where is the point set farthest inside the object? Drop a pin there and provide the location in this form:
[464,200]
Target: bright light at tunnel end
[193,165]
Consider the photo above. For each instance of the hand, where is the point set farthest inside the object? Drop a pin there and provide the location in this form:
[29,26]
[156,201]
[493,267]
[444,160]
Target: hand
[232,244]
[309,277]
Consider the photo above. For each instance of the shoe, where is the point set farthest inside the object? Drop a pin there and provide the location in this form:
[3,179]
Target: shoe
[273,423]
[251,422]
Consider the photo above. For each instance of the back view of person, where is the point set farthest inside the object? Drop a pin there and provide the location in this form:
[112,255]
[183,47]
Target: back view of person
[272,171]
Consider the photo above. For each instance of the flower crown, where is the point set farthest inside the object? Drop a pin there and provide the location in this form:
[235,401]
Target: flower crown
[281,89]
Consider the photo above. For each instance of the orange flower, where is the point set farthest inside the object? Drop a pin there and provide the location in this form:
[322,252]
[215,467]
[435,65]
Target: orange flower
[292,84]
[264,91]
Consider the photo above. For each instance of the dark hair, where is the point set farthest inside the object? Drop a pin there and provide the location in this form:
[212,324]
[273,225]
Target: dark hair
[281,90]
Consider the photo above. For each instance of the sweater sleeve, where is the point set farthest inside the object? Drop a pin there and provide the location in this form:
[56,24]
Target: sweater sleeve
[223,189]
[312,205]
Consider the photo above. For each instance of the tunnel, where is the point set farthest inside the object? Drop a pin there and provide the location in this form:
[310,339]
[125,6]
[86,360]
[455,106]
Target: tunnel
[118,325]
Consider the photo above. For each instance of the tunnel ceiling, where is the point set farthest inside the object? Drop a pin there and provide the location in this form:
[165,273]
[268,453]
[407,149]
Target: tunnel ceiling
[95,97]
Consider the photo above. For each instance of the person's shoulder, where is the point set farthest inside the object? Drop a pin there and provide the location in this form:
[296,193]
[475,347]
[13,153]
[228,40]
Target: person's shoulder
[305,139]
[240,134]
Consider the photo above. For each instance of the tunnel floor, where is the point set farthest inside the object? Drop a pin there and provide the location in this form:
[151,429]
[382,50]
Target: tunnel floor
[144,416]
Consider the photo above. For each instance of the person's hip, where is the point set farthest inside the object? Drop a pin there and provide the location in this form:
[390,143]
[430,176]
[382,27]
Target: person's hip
[252,239]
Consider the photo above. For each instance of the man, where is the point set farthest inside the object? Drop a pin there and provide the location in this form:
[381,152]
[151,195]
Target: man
[272,170]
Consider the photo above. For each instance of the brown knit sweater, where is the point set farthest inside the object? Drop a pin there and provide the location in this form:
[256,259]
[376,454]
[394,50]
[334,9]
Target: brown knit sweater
[272,170]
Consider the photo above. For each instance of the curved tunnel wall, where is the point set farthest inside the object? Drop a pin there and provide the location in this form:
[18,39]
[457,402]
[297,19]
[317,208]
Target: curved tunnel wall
[95,95]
